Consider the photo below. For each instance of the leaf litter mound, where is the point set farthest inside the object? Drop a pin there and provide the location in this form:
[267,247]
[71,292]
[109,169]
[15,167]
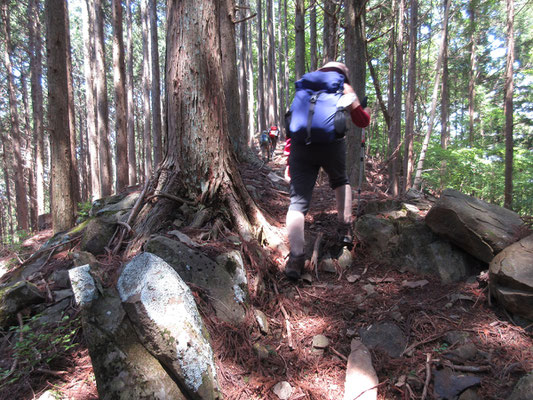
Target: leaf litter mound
[337,305]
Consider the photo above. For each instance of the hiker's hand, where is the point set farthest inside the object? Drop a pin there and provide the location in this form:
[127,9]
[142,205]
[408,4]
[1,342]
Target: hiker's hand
[348,89]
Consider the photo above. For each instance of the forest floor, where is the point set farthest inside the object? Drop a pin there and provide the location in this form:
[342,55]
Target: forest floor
[335,305]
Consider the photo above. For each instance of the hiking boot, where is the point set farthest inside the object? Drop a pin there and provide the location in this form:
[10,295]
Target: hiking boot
[345,235]
[295,266]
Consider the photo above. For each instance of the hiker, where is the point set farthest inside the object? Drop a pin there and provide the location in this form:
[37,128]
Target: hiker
[317,140]
[264,144]
[273,134]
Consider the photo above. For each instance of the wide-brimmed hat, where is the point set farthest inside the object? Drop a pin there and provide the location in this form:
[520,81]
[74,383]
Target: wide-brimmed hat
[336,66]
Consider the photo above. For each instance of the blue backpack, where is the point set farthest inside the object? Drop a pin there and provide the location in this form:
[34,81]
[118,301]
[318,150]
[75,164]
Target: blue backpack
[314,116]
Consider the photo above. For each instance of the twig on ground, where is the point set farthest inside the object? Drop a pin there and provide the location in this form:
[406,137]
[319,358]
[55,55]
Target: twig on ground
[468,368]
[287,321]
[314,258]
[342,356]
[428,376]
[416,344]
[371,388]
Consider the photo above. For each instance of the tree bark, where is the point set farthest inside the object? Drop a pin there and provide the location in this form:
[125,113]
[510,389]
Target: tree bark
[6,159]
[35,55]
[508,107]
[147,126]
[20,187]
[119,78]
[445,95]
[156,84]
[271,68]
[63,200]
[106,171]
[132,159]
[260,69]
[89,52]
[420,165]
[330,34]
[242,52]
[313,36]
[410,99]
[472,11]
[299,32]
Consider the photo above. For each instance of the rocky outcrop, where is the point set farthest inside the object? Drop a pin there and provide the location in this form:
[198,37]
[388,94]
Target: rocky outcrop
[511,277]
[479,228]
[14,298]
[225,280]
[165,318]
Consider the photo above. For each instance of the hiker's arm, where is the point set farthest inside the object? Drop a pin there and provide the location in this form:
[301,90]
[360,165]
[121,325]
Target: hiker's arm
[360,116]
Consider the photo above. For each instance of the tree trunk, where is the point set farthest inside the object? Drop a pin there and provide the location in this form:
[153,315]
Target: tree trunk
[230,78]
[420,165]
[106,171]
[355,44]
[6,159]
[286,56]
[119,78]
[132,170]
[156,83]
[445,95]
[89,52]
[260,69]
[147,127]
[250,73]
[243,71]
[410,100]
[396,128]
[312,35]
[299,32]
[20,187]
[472,10]
[35,56]
[63,200]
[271,68]
[508,107]
[198,163]
[330,35]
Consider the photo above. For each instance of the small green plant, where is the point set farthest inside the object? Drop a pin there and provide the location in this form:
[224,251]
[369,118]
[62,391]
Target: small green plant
[84,210]
[441,349]
[38,344]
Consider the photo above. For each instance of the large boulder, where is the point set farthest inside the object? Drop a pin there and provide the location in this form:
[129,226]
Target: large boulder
[122,366]
[480,228]
[14,298]
[164,314]
[224,281]
[511,277]
[98,233]
[412,246]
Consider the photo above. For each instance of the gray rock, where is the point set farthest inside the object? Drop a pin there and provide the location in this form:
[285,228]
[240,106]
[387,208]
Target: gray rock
[84,258]
[14,298]
[320,342]
[479,228]
[327,265]
[60,278]
[385,336]
[469,394]
[165,317]
[83,285]
[54,313]
[262,321]
[449,385]
[462,353]
[454,337]
[97,234]
[229,293]
[511,277]
[345,260]
[283,390]
[261,351]
[523,389]
[377,234]
[114,204]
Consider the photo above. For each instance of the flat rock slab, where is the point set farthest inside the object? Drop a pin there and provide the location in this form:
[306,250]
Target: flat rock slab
[449,385]
[386,336]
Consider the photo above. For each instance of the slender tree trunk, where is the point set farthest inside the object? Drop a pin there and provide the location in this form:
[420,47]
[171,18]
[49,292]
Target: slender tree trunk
[445,95]
[63,200]
[390,95]
[377,88]
[397,109]
[271,68]
[132,170]
[286,55]
[119,78]
[90,99]
[299,32]
[472,10]
[146,93]
[83,161]
[355,61]
[6,159]
[20,187]
[230,78]
[156,83]
[410,100]
[420,165]
[312,36]
[106,170]
[35,56]
[330,34]
[250,74]
[508,107]
[260,68]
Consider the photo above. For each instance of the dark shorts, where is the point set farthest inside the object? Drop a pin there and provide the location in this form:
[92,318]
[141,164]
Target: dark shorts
[305,162]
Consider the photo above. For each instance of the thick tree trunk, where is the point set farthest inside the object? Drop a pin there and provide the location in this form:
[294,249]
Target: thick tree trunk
[355,61]
[63,200]
[20,186]
[156,83]
[250,73]
[106,170]
[242,52]
[410,100]
[508,107]
[90,98]
[421,159]
[299,32]
[147,124]
[35,56]
[119,78]
[260,69]
[130,110]
[198,164]
[330,34]
[271,68]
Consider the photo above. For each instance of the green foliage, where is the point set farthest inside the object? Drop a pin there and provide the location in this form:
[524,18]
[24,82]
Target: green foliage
[83,211]
[38,345]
